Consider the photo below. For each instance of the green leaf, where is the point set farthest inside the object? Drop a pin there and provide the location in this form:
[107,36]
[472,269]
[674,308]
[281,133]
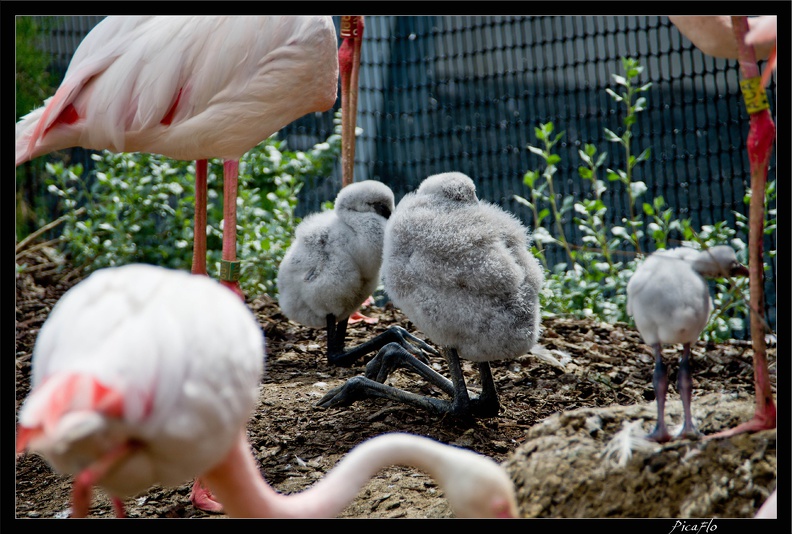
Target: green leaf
[643,156]
[523,201]
[530,177]
[620,231]
[619,79]
[612,137]
[601,159]
[613,95]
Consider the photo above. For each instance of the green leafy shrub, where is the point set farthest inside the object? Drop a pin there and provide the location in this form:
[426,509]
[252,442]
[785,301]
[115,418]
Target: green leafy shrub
[140,208]
[594,281]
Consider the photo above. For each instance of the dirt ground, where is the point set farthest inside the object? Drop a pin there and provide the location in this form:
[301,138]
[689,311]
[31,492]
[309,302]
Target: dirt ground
[560,408]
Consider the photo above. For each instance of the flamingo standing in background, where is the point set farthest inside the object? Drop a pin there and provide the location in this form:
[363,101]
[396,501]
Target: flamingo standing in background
[137,364]
[193,88]
[746,39]
[189,88]
[743,39]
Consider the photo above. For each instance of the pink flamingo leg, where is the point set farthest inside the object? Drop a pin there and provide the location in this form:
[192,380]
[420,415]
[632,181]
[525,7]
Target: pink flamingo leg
[230,190]
[349,68]
[761,136]
[348,63]
[199,226]
[90,476]
[203,499]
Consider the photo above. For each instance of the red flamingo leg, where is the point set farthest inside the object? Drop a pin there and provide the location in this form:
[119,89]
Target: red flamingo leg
[90,476]
[348,64]
[761,137]
[349,68]
[199,224]
[229,266]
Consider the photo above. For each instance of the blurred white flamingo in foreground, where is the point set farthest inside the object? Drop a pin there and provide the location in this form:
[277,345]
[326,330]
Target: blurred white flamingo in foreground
[136,365]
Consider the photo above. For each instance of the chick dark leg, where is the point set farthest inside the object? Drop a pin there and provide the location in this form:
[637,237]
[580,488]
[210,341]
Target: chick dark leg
[337,355]
[487,403]
[660,382]
[460,405]
[336,337]
[685,387]
[359,388]
[390,357]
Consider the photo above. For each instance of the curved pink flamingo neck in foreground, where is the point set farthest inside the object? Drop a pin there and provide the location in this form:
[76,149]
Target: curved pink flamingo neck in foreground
[475,486]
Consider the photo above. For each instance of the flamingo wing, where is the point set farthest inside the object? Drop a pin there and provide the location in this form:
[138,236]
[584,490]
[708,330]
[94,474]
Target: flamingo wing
[186,87]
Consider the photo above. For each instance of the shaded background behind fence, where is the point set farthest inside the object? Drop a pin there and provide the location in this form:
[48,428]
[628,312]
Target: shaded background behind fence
[464,93]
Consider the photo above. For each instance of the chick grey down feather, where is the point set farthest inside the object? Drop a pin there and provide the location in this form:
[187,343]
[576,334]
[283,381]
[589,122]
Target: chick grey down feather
[668,297]
[334,262]
[462,271]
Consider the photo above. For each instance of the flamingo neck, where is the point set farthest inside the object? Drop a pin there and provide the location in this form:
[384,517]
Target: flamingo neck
[237,483]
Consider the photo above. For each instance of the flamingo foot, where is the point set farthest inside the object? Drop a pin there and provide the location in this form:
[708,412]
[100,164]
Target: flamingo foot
[357,316]
[203,499]
[659,435]
[759,422]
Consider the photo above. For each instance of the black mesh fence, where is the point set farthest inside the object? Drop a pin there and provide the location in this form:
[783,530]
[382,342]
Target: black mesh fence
[465,93]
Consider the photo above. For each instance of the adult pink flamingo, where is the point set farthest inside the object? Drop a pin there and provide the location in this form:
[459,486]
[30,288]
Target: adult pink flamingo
[194,88]
[137,364]
[198,88]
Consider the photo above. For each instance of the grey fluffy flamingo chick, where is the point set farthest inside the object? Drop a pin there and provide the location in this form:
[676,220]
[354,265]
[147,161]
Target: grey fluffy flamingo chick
[669,300]
[462,271]
[333,265]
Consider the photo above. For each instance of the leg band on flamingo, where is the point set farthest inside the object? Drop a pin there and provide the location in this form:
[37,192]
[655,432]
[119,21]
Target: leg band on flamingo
[230,270]
[754,95]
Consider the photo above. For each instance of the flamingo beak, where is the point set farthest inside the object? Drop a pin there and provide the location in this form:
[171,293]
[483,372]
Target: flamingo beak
[349,67]
[739,270]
